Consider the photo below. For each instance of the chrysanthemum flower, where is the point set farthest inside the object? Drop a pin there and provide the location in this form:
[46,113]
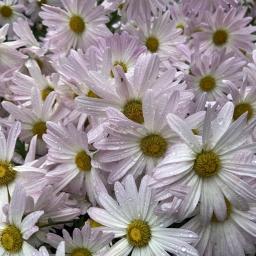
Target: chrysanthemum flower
[84,242]
[134,147]
[23,84]
[78,25]
[15,232]
[210,74]
[34,120]
[77,168]
[228,30]
[132,219]
[209,165]
[159,35]
[233,236]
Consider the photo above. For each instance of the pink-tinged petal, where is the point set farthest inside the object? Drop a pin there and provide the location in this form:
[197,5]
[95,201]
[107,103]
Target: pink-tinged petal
[180,127]
[3,146]
[17,206]
[11,140]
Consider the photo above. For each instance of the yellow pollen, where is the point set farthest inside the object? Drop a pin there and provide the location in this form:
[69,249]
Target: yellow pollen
[153,145]
[242,108]
[207,83]
[83,161]
[195,131]
[11,239]
[207,164]
[46,91]
[229,211]
[39,129]
[152,44]
[220,37]
[81,252]
[180,26]
[133,111]
[121,64]
[138,233]
[91,94]
[77,24]
[94,224]
[7,173]
[6,11]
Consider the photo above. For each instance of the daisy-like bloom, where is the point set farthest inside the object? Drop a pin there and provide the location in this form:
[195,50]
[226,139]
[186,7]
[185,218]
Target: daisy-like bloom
[209,74]
[76,165]
[10,10]
[135,8]
[209,165]
[11,59]
[132,219]
[34,120]
[118,50]
[11,174]
[159,35]
[127,96]
[84,242]
[134,147]
[23,84]
[233,236]
[226,30]
[17,229]
[77,26]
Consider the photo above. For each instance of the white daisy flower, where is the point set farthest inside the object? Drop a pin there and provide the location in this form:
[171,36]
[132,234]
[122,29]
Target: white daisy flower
[228,30]
[10,10]
[132,147]
[233,236]
[76,168]
[10,174]
[210,74]
[208,164]
[132,219]
[23,84]
[160,35]
[76,26]
[34,120]
[15,232]
[84,242]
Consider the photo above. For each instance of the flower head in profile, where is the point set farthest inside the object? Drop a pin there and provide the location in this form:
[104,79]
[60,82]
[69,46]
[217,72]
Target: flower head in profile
[209,165]
[131,217]
[18,228]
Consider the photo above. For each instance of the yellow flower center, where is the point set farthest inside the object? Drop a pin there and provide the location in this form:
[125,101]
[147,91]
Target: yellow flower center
[152,44]
[6,11]
[83,161]
[229,211]
[11,239]
[91,94]
[242,108]
[180,26]
[77,24]
[207,164]
[39,129]
[122,64]
[7,173]
[133,111]
[138,233]
[220,37]
[81,252]
[207,83]
[153,145]
[46,91]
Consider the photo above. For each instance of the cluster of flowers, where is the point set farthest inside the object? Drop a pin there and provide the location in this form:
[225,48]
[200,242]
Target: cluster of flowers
[127,127]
